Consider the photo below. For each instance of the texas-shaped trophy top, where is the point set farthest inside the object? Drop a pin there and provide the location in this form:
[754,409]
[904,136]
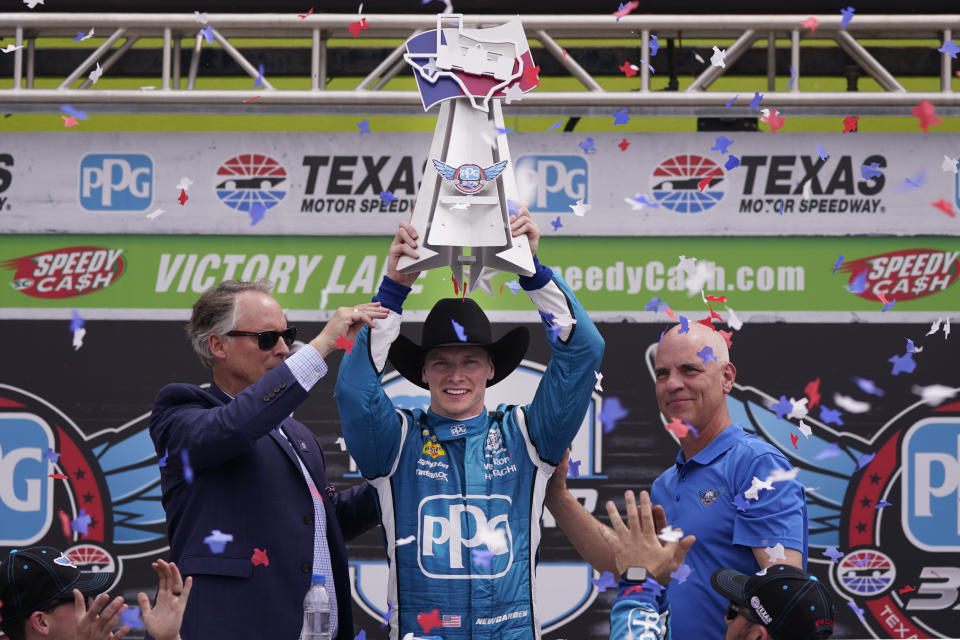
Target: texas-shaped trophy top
[462,212]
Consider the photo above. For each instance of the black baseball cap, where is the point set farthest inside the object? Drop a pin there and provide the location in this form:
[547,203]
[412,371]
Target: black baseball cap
[36,578]
[789,602]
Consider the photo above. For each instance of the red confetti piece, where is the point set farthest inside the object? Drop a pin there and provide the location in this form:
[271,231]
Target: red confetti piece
[850,123]
[944,206]
[774,120]
[65,524]
[344,343]
[531,76]
[252,99]
[304,15]
[628,69]
[623,144]
[183,197]
[260,557]
[926,113]
[906,589]
[811,23]
[813,392]
[717,298]
[793,438]
[707,323]
[678,427]
[355,27]
[58,476]
[727,335]
[456,288]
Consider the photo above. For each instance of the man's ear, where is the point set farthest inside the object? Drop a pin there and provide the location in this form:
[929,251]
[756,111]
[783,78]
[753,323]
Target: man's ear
[39,622]
[216,343]
[729,374]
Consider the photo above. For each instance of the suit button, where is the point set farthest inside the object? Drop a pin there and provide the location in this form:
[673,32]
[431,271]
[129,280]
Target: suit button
[276,389]
[305,567]
[266,398]
[282,385]
[307,519]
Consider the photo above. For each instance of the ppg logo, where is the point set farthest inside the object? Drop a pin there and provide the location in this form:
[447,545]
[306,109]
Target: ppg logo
[550,184]
[26,493]
[451,526]
[116,182]
[931,484]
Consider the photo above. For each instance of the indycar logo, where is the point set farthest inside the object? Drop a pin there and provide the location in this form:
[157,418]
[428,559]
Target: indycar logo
[470,178]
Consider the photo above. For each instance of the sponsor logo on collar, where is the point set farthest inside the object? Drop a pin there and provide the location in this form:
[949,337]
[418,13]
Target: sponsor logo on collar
[433,449]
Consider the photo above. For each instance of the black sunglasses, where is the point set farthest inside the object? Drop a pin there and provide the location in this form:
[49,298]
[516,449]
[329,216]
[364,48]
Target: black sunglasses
[734,610]
[266,340]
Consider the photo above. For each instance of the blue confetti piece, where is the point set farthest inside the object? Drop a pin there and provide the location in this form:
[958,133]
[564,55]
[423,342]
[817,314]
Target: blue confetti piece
[387,196]
[76,113]
[187,469]
[655,45]
[730,104]
[732,162]
[76,322]
[259,81]
[611,412]
[257,212]
[555,125]
[207,34]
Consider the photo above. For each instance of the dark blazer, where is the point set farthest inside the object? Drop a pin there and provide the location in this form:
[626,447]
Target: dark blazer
[247,483]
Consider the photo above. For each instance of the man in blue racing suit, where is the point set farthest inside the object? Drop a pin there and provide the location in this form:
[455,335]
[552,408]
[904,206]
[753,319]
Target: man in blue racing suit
[461,491]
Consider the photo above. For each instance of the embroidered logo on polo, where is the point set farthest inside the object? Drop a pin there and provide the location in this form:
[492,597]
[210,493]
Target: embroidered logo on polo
[709,496]
[433,449]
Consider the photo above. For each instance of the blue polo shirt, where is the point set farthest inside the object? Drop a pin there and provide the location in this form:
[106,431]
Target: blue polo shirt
[697,496]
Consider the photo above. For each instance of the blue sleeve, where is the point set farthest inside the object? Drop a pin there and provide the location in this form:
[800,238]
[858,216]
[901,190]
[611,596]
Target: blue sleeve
[183,418]
[556,412]
[777,516]
[639,615]
[371,425]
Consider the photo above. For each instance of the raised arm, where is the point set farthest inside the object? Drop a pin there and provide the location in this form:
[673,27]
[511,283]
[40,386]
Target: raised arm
[557,410]
[372,427]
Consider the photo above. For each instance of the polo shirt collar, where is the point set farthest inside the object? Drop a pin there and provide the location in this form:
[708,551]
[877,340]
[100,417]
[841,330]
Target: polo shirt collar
[450,429]
[724,441]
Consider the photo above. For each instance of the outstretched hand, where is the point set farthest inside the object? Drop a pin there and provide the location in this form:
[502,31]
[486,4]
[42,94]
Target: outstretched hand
[164,619]
[101,619]
[347,322]
[638,545]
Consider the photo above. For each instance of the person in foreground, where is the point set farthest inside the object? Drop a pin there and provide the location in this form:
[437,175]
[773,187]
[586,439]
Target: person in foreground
[713,490]
[461,491]
[780,602]
[250,512]
[42,596]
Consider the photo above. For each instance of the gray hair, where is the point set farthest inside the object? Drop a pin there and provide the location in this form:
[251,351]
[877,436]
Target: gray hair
[216,312]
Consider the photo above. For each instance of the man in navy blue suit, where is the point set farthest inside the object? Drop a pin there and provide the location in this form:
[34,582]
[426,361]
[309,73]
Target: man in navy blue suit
[250,513]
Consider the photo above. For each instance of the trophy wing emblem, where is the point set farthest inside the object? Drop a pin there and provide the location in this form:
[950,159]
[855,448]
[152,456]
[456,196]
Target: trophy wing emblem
[492,172]
[445,170]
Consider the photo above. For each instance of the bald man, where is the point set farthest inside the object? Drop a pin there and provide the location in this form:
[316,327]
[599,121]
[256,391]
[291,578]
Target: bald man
[711,491]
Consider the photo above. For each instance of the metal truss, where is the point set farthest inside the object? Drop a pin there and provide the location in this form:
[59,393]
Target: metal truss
[179,30]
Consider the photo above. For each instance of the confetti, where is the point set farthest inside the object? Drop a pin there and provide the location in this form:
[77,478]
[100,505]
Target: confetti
[556,125]
[654,44]
[812,391]
[848,404]
[587,145]
[730,104]
[387,197]
[604,582]
[857,610]
[556,224]
[882,504]
[625,9]
[915,182]
[217,541]
[732,162]
[830,416]
[776,552]
[81,524]
[906,589]
[183,197]
[344,343]
[868,386]
[717,59]
[680,428]
[207,34]
[831,451]
[774,120]
[32,4]
[355,27]
[364,126]
[902,364]
[611,412]
[629,70]
[822,152]
[162,462]
[259,557]
[303,16]
[10,48]
[794,438]
[832,553]
[934,394]
[58,476]
[684,325]
[95,74]
[944,206]
[733,320]
[837,264]
[782,407]
[949,164]
[753,493]
[514,286]
[407,540]
[850,124]
[257,212]
[131,618]
[847,16]
[669,534]
[580,208]
[810,23]
[258,82]
[363,634]
[793,77]
[756,100]
[187,469]
[69,121]
[741,503]
[51,456]
[531,75]
[798,409]
[623,144]
[721,144]
[950,48]
[597,386]
[481,557]
[925,112]
[682,573]
[706,355]
[804,429]
[869,171]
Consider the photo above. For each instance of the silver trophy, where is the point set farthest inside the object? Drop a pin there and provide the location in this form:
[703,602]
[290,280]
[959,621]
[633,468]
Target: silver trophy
[462,212]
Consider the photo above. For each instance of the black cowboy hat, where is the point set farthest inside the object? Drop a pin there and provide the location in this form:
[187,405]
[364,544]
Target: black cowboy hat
[439,331]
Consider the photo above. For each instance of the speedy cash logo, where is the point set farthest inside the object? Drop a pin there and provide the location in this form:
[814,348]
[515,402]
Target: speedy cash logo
[553,183]
[451,525]
[906,274]
[66,272]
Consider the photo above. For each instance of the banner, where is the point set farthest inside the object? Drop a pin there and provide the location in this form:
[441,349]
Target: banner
[881,485]
[143,274]
[635,184]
